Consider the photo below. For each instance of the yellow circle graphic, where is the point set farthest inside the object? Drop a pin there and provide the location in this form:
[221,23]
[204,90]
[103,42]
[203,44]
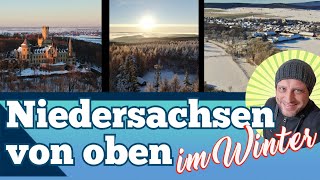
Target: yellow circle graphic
[261,85]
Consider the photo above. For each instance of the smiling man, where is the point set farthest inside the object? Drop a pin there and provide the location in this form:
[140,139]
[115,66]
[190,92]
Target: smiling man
[292,107]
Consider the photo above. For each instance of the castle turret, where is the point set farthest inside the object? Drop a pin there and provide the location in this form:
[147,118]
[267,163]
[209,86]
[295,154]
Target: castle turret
[70,48]
[45,32]
[25,49]
[40,41]
[25,43]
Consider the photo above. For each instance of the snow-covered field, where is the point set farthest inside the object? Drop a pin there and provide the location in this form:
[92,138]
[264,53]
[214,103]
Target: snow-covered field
[293,14]
[30,72]
[165,74]
[221,71]
[311,45]
[93,39]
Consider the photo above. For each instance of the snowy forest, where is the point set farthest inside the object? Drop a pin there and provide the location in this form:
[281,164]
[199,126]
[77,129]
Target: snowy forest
[74,81]
[158,66]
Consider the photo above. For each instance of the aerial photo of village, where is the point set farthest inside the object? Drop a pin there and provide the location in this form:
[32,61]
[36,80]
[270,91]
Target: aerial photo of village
[239,35]
[154,46]
[50,49]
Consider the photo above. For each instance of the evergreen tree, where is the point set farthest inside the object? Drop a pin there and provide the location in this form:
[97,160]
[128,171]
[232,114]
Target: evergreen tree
[157,75]
[150,88]
[127,77]
[175,84]
[164,86]
[195,86]
[133,74]
[186,80]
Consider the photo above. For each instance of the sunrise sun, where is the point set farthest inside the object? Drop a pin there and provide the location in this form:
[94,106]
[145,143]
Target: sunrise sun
[147,23]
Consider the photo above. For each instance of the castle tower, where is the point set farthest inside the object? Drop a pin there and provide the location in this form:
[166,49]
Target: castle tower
[45,32]
[70,48]
[40,41]
[25,50]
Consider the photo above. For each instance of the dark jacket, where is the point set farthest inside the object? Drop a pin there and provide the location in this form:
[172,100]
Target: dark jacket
[309,117]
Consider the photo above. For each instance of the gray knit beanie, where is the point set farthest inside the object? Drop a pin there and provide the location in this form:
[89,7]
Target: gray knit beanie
[296,69]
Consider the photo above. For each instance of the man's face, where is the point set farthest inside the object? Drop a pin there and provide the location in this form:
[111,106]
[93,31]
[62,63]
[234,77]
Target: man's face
[292,96]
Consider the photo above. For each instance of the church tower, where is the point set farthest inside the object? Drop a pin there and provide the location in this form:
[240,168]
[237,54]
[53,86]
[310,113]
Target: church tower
[70,48]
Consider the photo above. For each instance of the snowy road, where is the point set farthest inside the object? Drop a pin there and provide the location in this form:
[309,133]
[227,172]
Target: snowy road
[221,71]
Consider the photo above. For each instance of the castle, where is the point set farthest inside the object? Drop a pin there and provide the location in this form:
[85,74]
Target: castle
[45,52]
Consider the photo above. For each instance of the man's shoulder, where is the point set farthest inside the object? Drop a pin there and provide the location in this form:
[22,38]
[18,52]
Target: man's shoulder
[312,119]
[314,106]
[313,114]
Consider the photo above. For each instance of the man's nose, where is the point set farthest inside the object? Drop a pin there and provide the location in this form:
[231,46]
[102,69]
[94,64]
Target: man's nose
[290,97]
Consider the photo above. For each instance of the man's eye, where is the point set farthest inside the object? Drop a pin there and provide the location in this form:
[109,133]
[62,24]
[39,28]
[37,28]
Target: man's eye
[298,91]
[282,89]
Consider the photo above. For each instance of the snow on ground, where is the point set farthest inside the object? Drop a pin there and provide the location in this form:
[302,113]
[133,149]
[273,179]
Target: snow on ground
[246,67]
[310,45]
[221,71]
[29,72]
[58,64]
[293,14]
[96,68]
[165,74]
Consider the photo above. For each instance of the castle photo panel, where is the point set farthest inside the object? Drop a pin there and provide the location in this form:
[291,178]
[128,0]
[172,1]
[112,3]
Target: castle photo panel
[51,49]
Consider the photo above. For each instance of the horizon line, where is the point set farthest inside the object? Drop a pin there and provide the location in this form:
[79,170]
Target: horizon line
[51,26]
[262,3]
[156,25]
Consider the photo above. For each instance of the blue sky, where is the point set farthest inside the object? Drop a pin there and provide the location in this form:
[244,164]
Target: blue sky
[257,1]
[65,13]
[163,11]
